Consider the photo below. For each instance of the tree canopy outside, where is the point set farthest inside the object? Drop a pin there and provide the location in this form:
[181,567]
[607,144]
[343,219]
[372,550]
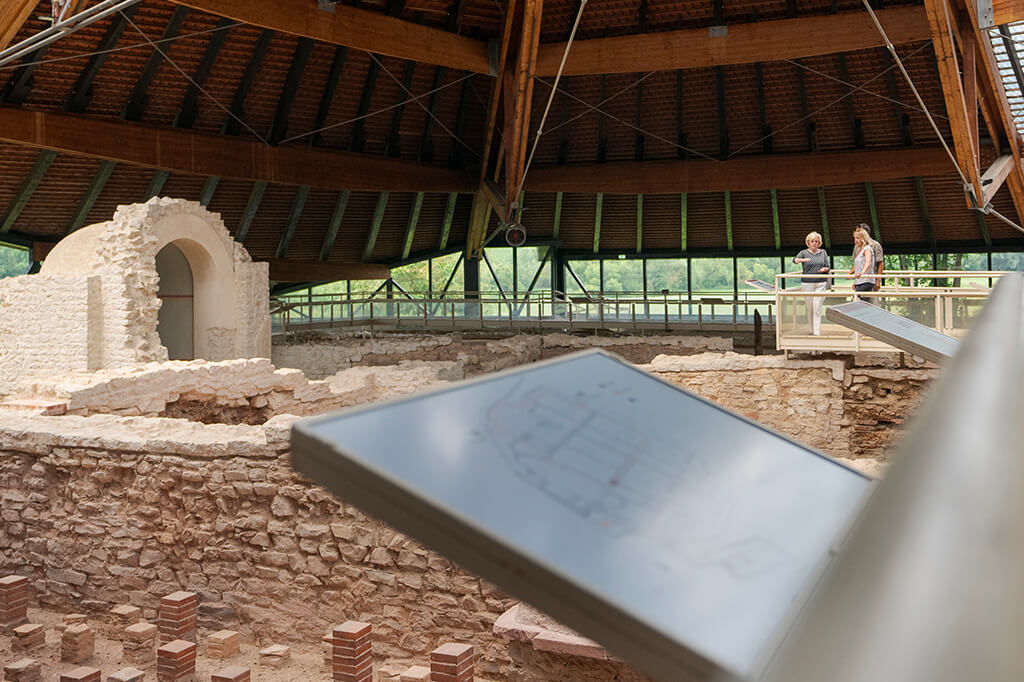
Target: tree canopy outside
[13,261]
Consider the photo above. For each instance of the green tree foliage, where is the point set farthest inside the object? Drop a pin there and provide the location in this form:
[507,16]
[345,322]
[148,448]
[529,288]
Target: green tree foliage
[13,261]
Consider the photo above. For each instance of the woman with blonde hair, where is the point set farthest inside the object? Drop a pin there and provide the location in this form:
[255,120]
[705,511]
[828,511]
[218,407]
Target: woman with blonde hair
[814,260]
[863,263]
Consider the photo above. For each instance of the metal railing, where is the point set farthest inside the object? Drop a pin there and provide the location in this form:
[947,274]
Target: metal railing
[544,309]
[938,299]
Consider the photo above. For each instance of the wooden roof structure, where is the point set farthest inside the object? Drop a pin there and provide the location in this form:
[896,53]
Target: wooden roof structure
[332,136]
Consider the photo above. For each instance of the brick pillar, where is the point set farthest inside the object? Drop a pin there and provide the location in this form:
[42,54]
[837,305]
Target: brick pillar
[13,601]
[178,617]
[81,674]
[77,643]
[353,652]
[176,661]
[234,673]
[452,663]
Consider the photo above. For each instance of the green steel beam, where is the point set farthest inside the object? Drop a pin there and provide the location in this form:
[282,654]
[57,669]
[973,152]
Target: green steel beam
[983,227]
[426,152]
[682,221]
[133,111]
[279,127]
[232,125]
[394,142]
[28,187]
[446,222]
[869,189]
[639,222]
[728,220]
[77,101]
[96,185]
[156,184]
[558,215]
[253,205]
[188,112]
[410,229]
[332,230]
[823,209]
[378,217]
[597,222]
[922,202]
[301,194]
[775,220]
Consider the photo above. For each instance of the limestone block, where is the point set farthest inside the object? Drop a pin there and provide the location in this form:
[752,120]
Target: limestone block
[127,675]
[275,655]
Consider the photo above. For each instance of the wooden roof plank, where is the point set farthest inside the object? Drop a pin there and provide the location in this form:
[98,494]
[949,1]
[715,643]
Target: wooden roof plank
[362,29]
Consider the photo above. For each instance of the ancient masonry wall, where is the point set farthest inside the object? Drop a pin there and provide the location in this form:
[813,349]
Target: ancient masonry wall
[26,305]
[321,355]
[105,509]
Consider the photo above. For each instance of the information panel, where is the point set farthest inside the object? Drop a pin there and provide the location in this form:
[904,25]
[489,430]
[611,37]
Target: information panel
[677,534]
[895,330]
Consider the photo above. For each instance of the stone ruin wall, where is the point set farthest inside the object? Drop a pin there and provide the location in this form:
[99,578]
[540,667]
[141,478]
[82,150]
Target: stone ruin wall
[107,509]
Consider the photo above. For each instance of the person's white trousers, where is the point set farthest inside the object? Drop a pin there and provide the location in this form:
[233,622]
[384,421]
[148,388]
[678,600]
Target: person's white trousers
[814,304]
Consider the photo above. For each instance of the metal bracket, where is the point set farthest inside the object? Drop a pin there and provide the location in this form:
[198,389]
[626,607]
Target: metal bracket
[718,31]
[986,15]
[326,5]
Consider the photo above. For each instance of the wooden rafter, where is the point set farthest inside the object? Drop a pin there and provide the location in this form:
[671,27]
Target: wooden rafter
[942,21]
[317,271]
[781,171]
[742,44]
[996,108]
[363,29]
[189,152]
[13,14]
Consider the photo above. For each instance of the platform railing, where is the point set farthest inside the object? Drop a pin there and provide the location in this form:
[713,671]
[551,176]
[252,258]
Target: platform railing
[546,309]
[911,294]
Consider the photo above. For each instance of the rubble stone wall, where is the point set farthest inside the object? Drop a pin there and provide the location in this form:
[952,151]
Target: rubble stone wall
[107,509]
[321,355]
[103,510]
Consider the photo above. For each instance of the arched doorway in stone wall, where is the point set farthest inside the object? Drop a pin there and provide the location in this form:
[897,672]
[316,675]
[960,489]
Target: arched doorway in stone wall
[175,321]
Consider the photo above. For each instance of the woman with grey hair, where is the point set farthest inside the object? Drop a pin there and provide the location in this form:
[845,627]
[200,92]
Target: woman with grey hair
[814,260]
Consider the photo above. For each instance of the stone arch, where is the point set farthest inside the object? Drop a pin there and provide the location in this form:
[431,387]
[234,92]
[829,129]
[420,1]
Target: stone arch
[106,312]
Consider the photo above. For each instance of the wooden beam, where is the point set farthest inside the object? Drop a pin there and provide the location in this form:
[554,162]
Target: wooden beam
[995,104]
[742,44]
[193,153]
[317,271]
[995,176]
[251,208]
[362,29]
[557,222]
[13,14]
[517,130]
[780,171]
[957,107]
[1006,11]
